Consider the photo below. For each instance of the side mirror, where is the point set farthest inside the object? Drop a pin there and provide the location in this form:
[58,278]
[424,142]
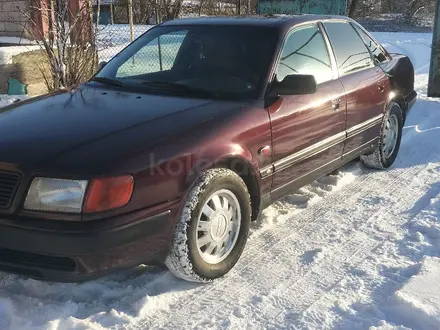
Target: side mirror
[295,84]
[101,65]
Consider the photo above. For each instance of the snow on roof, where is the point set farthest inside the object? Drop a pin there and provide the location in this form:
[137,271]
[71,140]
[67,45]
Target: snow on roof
[16,40]
[6,100]
[6,53]
[105,2]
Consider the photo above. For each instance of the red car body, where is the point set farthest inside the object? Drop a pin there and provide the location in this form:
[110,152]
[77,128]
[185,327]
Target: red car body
[275,145]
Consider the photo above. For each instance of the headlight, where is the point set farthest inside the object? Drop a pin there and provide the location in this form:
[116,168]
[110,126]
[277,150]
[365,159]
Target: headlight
[56,195]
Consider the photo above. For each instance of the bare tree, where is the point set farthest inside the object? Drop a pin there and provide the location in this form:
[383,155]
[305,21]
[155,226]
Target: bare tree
[98,12]
[130,18]
[409,8]
[413,7]
[352,7]
[68,46]
[170,9]
[112,19]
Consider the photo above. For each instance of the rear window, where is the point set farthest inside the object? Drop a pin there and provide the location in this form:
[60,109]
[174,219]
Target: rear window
[351,53]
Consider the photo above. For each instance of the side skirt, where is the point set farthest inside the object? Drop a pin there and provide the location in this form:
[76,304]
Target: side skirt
[304,180]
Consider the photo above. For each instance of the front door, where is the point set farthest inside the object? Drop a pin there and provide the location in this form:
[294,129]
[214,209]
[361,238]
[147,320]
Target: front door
[308,131]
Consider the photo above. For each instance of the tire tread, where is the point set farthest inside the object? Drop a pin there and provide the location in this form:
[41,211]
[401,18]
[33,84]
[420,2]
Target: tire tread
[178,260]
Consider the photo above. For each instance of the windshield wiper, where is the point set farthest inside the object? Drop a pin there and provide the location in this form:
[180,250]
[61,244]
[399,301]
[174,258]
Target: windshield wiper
[108,81]
[167,85]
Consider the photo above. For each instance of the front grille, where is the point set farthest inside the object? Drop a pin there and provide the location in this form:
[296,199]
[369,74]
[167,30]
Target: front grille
[9,182]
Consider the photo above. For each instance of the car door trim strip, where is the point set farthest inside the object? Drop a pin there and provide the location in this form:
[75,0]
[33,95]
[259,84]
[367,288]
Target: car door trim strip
[319,147]
[362,127]
[309,151]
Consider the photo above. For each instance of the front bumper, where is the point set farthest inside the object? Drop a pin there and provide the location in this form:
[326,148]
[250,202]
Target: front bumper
[72,252]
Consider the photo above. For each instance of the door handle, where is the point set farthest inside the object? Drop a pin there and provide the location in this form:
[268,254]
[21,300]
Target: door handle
[336,104]
[381,88]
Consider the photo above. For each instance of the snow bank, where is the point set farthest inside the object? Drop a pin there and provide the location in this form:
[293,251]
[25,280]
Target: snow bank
[9,99]
[6,53]
[16,40]
[418,302]
[383,325]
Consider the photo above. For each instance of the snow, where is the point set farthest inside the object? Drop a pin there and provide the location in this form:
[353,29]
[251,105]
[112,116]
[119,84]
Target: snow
[16,40]
[111,39]
[358,249]
[9,99]
[418,302]
[7,52]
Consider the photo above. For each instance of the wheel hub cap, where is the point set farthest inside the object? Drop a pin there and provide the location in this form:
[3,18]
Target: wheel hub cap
[218,226]
[390,134]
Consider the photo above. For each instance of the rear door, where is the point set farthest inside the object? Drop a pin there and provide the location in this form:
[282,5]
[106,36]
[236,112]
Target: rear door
[365,84]
[308,131]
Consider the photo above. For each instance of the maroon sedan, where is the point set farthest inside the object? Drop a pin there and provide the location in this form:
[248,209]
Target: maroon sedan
[179,142]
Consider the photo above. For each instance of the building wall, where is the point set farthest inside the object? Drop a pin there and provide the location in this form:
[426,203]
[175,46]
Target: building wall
[323,7]
[12,19]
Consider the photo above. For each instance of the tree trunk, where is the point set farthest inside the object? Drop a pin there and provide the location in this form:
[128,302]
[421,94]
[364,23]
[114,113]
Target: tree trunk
[434,71]
[352,8]
[176,9]
[156,11]
[112,19]
[200,7]
[130,19]
[98,13]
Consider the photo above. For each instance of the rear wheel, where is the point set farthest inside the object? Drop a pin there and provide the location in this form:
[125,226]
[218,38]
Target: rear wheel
[389,141]
[213,228]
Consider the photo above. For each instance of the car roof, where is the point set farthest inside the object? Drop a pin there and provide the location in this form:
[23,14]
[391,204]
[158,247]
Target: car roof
[280,21]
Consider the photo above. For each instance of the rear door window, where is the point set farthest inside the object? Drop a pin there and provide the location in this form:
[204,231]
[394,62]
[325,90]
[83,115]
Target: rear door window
[350,51]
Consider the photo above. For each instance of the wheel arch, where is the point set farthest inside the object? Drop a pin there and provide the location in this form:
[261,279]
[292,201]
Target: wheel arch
[240,164]
[400,100]
[246,171]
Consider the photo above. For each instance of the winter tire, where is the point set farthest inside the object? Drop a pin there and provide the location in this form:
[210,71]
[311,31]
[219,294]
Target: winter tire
[389,140]
[213,228]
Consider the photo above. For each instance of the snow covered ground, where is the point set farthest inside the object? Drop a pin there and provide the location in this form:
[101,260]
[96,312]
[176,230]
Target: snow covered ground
[359,249]
[9,99]
[112,39]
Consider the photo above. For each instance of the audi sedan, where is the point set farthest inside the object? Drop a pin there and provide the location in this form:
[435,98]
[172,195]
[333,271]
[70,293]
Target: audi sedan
[170,151]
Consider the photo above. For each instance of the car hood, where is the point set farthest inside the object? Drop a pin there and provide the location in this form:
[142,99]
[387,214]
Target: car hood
[40,130]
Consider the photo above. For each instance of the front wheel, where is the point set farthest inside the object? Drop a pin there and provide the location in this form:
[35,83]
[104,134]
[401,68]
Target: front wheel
[389,141]
[213,227]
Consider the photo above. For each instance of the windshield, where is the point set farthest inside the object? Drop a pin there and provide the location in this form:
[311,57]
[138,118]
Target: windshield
[211,61]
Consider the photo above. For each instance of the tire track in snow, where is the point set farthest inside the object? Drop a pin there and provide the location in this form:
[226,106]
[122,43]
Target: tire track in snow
[311,287]
[241,277]
[303,287]
[316,313]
